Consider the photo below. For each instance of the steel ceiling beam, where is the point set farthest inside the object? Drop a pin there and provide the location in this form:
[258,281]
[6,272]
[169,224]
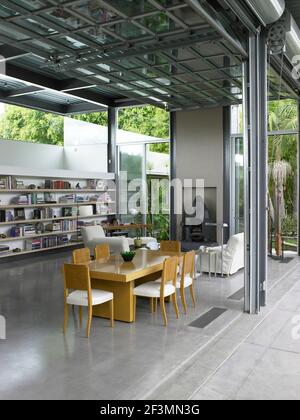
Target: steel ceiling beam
[33,103]
[56,85]
[198,8]
[242,14]
[107,58]
[29,90]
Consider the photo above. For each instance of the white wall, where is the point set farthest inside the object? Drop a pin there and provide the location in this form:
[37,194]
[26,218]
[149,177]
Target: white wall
[31,155]
[199,150]
[39,156]
[92,158]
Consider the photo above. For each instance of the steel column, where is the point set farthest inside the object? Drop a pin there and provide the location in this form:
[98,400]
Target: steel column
[173,135]
[256,137]
[299,178]
[112,138]
[227,169]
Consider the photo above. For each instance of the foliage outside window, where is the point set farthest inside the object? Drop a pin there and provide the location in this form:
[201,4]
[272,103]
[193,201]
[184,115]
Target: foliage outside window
[283,167]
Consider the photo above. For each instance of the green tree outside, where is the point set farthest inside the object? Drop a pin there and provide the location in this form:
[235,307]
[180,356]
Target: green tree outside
[39,127]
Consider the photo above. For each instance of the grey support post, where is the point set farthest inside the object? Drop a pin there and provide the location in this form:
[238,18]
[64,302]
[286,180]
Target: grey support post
[256,138]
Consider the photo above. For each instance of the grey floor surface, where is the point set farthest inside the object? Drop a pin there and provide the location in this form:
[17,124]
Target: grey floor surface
[145,360]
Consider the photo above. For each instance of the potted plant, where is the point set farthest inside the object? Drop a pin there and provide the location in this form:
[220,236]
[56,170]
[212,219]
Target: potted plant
[138,243]
[128,256]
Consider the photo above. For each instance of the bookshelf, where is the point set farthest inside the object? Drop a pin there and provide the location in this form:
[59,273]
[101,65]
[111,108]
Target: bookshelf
[45,211]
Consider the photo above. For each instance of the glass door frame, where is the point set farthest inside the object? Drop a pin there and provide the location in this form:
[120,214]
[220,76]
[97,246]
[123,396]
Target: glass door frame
[233,204]
[145,145]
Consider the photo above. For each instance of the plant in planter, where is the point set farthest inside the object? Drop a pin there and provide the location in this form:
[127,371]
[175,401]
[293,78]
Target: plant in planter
[138,243]
[128,256]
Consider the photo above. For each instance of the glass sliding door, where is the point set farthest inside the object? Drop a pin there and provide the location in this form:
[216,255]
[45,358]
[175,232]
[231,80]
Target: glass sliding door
[158,178]
[132,161]
[283,194]
[237,187]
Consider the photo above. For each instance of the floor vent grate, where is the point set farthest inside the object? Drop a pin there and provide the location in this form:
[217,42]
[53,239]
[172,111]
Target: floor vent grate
[206,319]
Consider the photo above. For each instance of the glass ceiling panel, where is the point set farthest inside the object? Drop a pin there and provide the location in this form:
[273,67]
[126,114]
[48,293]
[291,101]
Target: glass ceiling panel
[93,10]
[129,30]
[159,23]
[36,27]
[133,7]
[5,11]
[99,36]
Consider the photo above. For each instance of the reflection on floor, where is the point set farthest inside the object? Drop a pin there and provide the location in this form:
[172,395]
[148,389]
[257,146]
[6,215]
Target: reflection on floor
[144,360]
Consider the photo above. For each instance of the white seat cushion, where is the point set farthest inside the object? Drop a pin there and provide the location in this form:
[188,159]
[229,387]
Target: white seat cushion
[80,298]
[188,281]
[152,290]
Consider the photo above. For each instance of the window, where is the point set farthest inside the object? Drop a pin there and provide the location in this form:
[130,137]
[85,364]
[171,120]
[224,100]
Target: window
[146,156]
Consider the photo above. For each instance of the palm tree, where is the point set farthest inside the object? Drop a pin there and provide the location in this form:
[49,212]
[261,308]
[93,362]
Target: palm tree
[283,116]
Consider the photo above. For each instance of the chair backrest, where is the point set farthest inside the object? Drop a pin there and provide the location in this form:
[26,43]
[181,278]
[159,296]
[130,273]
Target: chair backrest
[102,251]
[90,233]
[188,267]
[170,246]
[235,245]
[77,277]
[169,274]
[81,256]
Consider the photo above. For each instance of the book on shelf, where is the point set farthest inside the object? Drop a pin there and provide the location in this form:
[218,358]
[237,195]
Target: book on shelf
[46,242]
[8,182]
[19,214]
[21,200]
[4,248]
[6,216]
[61,185]
[68,199]
[28,230]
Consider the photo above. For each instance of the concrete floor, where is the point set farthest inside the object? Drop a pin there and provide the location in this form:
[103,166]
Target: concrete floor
[146,360]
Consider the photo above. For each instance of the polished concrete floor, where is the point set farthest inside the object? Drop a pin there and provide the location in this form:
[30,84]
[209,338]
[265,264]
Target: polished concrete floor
[145,360]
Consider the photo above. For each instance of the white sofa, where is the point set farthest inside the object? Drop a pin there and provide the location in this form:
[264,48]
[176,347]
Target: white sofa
[95,235]
[233,257]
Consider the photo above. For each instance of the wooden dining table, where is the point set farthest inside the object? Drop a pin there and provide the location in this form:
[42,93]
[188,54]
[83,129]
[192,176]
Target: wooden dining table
[120,278]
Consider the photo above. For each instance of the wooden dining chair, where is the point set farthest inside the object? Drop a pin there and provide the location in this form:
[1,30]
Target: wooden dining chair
[102,252]
[82,256]
[77,278]
[170,246]
[186,278]
[166,288]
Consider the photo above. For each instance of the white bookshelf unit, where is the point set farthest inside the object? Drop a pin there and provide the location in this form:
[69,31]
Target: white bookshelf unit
[44,210]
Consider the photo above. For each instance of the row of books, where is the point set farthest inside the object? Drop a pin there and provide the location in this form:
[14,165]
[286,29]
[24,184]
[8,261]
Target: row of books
[32,230]
[57,185]
[8,182]
[46,242]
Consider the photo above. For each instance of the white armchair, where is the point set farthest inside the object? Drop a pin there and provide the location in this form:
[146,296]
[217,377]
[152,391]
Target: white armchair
[233,257]
[94,235]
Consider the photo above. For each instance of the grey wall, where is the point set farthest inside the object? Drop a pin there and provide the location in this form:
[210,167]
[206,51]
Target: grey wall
[199,151]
